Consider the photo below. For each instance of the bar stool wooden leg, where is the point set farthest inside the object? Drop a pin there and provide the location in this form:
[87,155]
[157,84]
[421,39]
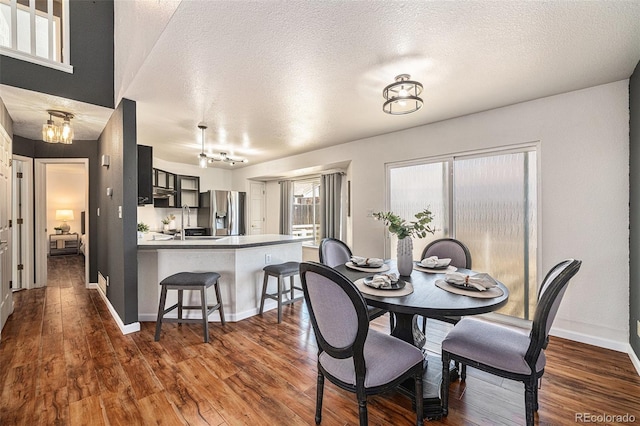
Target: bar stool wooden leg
[280,291]
[219,298]
[205,317]
[291,283]
[163,298]
[180,299]
[264,291]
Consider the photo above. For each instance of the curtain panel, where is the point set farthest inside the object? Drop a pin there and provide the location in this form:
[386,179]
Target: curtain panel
[286,207]
[331,206]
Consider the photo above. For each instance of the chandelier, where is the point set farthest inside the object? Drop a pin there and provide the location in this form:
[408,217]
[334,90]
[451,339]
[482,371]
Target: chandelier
[402,97]
[54,133]
[204,159]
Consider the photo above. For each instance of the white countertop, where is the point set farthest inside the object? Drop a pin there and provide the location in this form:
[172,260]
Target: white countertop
[242,241]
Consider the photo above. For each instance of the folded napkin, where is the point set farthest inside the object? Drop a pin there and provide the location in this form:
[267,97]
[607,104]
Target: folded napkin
[383,280]
[434,262]
[373,262]
[481,282]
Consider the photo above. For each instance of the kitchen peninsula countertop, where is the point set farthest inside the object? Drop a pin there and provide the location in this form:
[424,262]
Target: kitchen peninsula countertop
[231,242]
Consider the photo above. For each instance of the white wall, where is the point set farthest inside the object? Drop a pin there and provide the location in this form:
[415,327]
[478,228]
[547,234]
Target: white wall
[210,178]
[584,169]
[66,189]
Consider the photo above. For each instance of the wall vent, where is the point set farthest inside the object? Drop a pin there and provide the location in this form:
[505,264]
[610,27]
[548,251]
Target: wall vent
[103,283]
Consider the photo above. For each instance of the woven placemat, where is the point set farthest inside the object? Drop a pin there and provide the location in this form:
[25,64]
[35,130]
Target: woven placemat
[408,289]
[487,294]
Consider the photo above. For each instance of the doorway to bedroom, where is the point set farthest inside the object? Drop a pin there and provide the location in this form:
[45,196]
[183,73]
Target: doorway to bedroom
[61,216]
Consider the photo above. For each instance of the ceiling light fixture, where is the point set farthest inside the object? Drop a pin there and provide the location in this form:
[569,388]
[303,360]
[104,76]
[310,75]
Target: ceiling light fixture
[52,133]
[403,96]
[204,159]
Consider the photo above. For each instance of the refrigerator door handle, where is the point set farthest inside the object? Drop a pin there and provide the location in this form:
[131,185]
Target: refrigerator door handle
[230,230]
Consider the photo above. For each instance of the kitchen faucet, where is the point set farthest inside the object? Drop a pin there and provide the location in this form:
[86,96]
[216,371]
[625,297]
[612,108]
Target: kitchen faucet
[182,233]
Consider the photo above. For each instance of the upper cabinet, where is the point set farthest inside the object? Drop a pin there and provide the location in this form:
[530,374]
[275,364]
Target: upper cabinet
[164,189]
[188,191]
[145,175]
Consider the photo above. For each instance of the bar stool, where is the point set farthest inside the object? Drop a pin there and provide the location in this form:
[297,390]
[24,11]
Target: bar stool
[190,281]
[280,271]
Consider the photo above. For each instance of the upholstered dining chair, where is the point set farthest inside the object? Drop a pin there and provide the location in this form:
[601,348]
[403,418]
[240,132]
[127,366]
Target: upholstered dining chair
[449,248]
[333,252]
[460,258]
[505,351]
[350,354]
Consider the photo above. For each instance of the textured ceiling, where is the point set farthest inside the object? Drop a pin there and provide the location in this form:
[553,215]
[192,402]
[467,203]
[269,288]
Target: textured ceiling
[273,79]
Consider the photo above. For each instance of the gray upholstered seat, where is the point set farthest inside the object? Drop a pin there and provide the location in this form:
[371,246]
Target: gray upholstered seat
[333,252]
[280,271]
[190,281]
[350,355]
[506,352]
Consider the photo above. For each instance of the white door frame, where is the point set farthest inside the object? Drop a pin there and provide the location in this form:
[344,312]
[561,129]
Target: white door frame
[27,224]
[41,233]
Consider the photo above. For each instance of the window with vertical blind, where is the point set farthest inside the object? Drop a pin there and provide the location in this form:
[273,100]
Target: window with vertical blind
[489,202]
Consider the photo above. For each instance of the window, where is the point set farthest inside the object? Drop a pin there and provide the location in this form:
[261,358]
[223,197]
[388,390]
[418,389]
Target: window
[35,31]
[306,209]
[489,202]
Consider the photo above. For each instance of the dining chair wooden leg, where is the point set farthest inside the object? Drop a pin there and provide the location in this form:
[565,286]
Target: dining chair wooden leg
[180,299]
[444,391]
[419,399]
[529,391]
[319,394]
[362,409]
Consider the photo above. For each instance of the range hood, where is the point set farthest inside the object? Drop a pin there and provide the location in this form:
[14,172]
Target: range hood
[160,192]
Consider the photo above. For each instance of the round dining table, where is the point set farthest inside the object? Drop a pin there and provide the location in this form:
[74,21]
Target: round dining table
[431,301]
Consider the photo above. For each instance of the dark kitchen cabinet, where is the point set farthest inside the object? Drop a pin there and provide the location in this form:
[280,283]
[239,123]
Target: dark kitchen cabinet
[164,189]
[188,191]
[145,175]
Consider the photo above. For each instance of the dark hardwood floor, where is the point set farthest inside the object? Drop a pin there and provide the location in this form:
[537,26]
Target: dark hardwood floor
[63,360]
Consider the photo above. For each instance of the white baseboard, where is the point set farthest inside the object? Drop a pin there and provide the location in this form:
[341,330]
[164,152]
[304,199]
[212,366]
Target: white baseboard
[634,359]
[124,328]
[591,340]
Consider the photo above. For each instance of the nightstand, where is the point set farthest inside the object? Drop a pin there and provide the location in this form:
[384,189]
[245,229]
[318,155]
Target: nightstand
[63,244]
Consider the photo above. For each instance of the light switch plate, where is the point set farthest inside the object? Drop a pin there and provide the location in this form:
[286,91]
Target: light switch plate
[119,212]
[638,328]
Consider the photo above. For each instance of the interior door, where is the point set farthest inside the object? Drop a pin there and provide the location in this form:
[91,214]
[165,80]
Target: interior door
[256,211]
[6,298]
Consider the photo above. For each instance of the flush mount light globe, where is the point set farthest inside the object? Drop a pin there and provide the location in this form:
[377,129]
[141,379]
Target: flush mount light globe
[403,96]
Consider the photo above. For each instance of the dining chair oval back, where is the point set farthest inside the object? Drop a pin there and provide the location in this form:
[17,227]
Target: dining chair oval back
[507,352]
[333,252]
[350,354]
[449,248]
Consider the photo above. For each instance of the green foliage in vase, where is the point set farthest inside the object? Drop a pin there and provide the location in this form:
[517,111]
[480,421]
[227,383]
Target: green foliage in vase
[417,228]
[143,227]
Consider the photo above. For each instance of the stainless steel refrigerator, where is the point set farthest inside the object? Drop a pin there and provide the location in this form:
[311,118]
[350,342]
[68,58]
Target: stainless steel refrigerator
[222,212]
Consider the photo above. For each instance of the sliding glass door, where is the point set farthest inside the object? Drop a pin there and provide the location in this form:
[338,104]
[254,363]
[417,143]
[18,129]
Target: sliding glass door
[489,202]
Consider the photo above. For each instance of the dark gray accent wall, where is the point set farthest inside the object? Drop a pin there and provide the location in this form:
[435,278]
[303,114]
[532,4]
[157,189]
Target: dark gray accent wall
[118,253]
[91,45]
[634,209]
[78,149]
[5,119]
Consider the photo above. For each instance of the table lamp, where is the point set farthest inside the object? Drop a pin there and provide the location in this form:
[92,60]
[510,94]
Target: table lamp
[64,216]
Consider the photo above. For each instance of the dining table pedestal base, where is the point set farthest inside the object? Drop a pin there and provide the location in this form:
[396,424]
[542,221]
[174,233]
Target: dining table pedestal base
[407,329]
